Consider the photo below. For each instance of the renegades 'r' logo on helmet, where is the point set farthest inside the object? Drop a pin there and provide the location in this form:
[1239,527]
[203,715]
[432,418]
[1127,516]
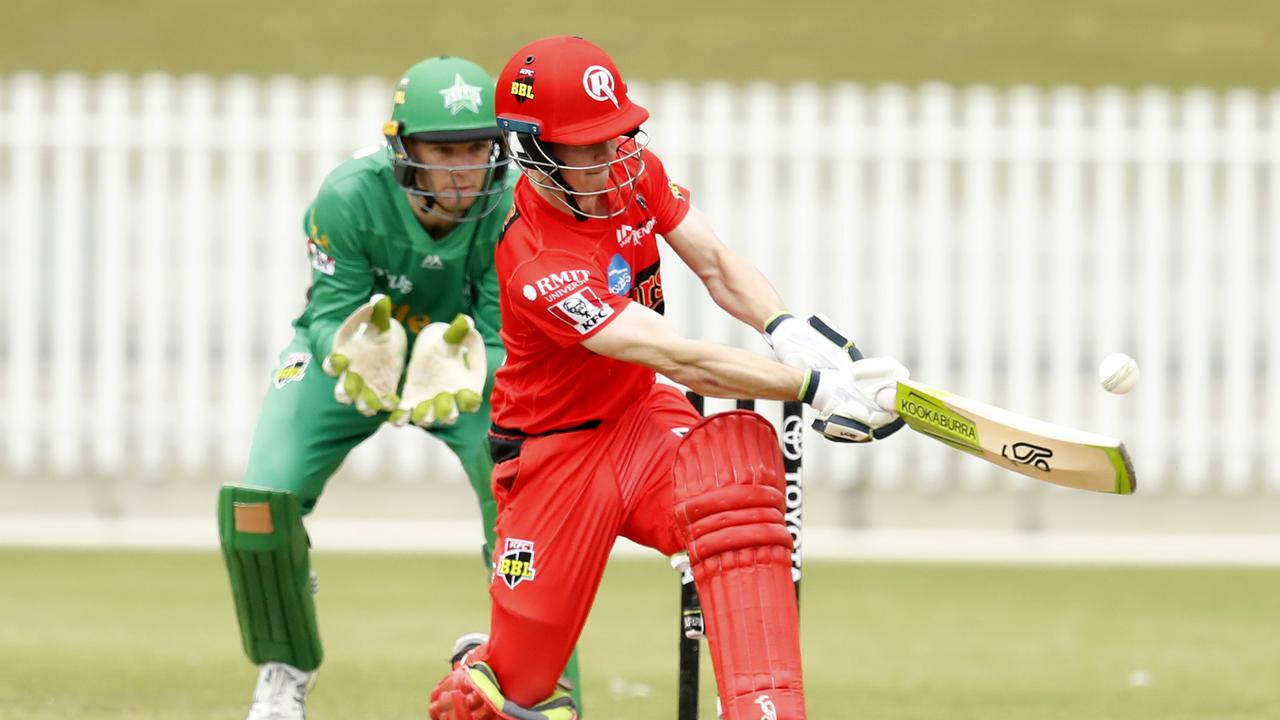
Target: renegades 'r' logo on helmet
[598,82]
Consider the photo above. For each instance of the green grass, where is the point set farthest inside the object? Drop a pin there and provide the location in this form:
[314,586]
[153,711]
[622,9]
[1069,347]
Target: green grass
[1088,42]
[91,636]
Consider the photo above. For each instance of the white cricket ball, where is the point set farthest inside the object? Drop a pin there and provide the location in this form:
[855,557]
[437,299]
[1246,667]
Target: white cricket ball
[1118,373]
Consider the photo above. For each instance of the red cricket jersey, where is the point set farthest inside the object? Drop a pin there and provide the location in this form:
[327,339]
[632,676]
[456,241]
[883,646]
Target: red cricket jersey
[560,280]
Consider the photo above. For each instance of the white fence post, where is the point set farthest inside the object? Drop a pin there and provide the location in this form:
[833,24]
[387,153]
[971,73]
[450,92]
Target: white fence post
[1156,293]
[25,423]
[1197,307]
[1239,265]
[113,251]
[978,317]
[150,302]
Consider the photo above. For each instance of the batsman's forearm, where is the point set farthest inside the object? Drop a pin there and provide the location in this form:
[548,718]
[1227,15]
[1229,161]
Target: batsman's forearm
[722,371]
[742,290]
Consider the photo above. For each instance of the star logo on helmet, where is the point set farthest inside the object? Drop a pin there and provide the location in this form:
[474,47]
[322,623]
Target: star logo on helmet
[460,96]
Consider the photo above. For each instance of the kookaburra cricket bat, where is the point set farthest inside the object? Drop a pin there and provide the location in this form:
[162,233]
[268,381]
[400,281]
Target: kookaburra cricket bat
[1052,453]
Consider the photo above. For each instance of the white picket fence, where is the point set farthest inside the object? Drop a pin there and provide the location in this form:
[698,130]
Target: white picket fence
[998,242]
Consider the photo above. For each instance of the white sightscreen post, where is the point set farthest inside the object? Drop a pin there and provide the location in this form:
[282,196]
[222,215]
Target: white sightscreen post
[112,219]
[191,236]
[241,378]
[1271,417]
[1237,402]
[888,247]
[929,281]
[981,311]
[1065,245]
[849,243]
[1021,267]
[63,315]
[1197,308]
[1157,288]
[24,423]
[152,304]
[1108,276]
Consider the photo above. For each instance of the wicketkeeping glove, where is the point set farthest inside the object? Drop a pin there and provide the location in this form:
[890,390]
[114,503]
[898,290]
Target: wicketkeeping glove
[368,357]
[446,374]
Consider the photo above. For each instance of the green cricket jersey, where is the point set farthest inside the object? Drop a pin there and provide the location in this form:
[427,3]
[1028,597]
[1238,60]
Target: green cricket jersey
[363,238]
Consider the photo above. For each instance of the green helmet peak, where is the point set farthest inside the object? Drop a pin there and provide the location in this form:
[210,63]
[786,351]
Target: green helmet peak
[444,99]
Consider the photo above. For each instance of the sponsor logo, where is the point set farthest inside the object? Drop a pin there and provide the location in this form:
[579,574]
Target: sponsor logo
[320,260]
[767,707]
[680,431]
[598,82]
[398,283]
[940,421]
[583,310]
[1025,453]
[293,369]
[433,262]
[619,276]
[628,235]
[557,285]
[675,191]
[530,293]
[792,437]
[522,87]
[794,520]
[460,96]
[648,288]
[515,565]
[399,97]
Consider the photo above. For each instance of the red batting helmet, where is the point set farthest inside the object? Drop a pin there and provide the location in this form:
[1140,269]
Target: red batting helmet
[565,90]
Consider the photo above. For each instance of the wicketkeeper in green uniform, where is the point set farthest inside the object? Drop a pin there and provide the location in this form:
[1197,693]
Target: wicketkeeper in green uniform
[401,325]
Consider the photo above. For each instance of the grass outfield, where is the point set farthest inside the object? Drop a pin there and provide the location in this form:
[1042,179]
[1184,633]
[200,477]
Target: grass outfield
[96,635]
[1088,42]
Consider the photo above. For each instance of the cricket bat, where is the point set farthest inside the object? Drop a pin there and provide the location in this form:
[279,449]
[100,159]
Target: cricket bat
[1051,453]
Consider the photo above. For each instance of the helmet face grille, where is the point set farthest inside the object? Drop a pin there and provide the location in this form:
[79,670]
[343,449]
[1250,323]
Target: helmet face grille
[485,199]
[544,169]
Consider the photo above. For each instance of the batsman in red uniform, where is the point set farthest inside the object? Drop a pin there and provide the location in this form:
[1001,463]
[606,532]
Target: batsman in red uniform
[589,446]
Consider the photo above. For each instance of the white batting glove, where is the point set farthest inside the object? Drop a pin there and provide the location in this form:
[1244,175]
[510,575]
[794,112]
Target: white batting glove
[856,405]
[446,374]
[368,357]
[810,345]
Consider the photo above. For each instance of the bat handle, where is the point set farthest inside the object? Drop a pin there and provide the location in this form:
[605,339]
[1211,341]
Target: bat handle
[886,398]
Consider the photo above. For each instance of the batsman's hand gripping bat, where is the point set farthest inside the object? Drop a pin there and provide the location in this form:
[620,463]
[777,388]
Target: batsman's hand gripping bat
[1035,448]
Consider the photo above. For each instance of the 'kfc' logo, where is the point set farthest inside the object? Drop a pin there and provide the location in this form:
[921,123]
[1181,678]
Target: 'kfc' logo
[583,310]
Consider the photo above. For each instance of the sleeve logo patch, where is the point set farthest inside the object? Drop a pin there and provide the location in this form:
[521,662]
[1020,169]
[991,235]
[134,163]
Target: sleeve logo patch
[515,565]
[320,260]
[293,369]
[582,310]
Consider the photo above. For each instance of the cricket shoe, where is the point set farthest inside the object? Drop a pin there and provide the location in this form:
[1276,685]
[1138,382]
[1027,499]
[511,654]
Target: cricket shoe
[281,693]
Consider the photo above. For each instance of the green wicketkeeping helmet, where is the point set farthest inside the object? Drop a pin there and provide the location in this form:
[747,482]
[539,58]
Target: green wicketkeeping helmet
[444,100]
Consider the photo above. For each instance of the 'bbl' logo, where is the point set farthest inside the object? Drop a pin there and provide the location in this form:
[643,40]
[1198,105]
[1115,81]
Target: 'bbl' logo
[515,565]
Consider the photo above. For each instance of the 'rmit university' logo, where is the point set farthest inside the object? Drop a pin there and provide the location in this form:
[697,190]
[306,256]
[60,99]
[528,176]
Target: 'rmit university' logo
[515,565]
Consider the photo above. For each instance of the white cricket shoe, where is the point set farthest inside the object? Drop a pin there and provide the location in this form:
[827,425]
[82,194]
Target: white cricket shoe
[281,693]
